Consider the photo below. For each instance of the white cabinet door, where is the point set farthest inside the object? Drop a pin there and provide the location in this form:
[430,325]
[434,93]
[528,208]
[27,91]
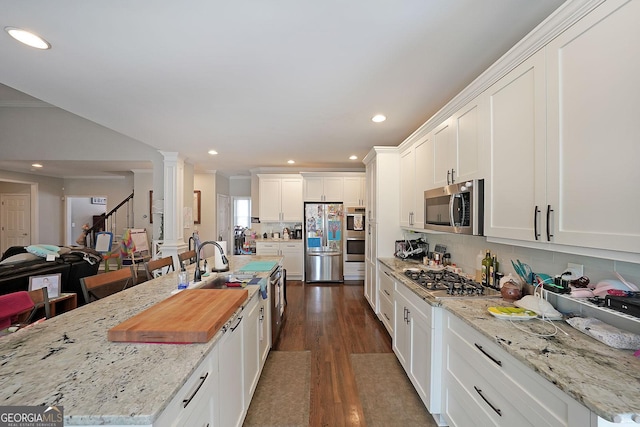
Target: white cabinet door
[293,261]
[467,125]
[593,129]
[371,198]
[354,191]
[250,345]
[270,198]
[370,285]
[515,193]
[423,150]
[407,187]
[313,189]
[444,146]
[420,364]
[231,391]
[333,189]
[323,189]
[267,249]
[401,329]
[264,331]
[292,204]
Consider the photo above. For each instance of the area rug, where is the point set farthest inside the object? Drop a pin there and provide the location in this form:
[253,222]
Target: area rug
[387,396]
[283,392]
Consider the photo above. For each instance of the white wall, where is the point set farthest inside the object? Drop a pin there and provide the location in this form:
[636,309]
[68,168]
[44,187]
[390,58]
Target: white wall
[240,186]
[81,211]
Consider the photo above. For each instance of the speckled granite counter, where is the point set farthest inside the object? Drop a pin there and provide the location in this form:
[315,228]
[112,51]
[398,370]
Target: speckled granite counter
[67,360]
[605,380]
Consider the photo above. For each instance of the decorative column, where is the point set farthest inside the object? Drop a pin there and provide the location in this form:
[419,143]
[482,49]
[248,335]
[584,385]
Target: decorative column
[173,206]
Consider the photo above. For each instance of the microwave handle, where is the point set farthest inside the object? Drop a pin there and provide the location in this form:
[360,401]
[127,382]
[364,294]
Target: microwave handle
[452,220]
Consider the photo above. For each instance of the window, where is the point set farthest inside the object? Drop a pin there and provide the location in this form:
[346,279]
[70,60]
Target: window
[242,212]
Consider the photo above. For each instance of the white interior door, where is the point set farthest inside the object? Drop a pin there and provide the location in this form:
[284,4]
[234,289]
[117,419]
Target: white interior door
[15,229]
[223,207]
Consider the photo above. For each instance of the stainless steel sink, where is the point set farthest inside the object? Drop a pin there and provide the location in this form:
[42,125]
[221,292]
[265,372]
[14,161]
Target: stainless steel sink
[220,282]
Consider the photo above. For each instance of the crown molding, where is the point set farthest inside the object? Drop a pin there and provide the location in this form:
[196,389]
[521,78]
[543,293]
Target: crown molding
[565,16]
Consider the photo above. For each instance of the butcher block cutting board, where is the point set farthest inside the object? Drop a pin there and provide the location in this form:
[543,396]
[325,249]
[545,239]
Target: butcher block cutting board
[190,316]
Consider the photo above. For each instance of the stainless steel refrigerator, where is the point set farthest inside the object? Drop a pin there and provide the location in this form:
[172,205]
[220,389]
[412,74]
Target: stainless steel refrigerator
[323,242]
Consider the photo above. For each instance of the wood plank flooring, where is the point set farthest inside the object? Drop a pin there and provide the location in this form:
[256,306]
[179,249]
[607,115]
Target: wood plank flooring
[332,321]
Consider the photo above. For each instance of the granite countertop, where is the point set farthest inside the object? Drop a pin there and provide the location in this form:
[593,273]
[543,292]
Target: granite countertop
[604,379]
[68,361]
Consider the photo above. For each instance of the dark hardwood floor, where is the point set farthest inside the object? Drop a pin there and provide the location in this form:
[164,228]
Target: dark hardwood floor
[332,321]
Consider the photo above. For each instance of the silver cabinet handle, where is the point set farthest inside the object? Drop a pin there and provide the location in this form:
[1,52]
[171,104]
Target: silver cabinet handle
[188,400]
[386,292]
[385,315]
[453,180]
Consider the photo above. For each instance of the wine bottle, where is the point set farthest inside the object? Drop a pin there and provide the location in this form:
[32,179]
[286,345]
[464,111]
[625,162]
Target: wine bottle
[486,264]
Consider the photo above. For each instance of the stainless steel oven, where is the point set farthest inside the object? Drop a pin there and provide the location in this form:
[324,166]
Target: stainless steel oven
[354,234]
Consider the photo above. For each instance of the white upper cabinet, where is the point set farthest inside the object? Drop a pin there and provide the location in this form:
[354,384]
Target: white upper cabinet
[323,188]
[416,166]
[354,190]
[445,153]
[457,144]
[280,198]
[515,192]
[593,165]
[467,123]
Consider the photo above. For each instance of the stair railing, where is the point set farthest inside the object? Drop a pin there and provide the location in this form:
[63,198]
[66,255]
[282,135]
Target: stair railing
[108,222]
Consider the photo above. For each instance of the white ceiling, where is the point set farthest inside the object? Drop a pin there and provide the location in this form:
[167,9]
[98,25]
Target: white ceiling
[260,81]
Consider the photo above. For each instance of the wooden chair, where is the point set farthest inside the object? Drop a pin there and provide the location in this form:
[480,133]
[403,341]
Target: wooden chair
[189,255]
[158,264]
[40,298]
[105,284]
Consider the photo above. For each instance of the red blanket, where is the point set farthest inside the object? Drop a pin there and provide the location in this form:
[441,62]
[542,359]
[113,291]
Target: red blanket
[13,304]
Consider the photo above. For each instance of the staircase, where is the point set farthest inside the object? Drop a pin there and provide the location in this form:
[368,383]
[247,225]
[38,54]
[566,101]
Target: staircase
[109,223]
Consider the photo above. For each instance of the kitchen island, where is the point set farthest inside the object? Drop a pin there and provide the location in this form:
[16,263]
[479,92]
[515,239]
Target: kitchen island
[68,361]
[602,379]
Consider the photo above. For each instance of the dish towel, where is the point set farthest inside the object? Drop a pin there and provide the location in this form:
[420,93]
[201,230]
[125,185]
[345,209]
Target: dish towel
[358,224]
[13,304]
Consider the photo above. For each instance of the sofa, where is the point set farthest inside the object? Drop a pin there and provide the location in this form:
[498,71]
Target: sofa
[17,265]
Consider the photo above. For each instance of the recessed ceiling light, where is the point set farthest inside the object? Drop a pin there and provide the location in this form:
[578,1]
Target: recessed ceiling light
[353,157]
[36,165]
[28,38]
[212,152]
[378,118]
[291,162]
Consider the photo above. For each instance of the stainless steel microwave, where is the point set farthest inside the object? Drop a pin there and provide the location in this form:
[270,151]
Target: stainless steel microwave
[456,208]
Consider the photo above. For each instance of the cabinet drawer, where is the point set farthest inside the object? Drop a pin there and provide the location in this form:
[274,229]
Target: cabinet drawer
[192,400]
[386,312]
[386,283]
[537,400]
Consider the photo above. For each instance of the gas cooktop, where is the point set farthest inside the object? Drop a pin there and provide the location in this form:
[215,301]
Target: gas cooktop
[447,284]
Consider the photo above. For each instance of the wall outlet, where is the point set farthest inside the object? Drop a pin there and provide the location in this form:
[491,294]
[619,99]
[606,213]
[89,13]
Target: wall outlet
[577,269]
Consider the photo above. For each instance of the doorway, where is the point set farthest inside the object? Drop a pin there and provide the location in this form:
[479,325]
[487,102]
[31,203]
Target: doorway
[222,219]
[15,224]
[80,211]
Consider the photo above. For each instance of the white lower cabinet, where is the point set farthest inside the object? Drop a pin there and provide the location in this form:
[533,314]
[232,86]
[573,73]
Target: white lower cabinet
[293,254]
[251,348]
[231,386]
[485,386]
[196,404]
[264,328]
[417,344]
[385,298]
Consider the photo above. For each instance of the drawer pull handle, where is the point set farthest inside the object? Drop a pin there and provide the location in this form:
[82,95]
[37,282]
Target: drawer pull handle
[188,400]
[233,328]
[386,292]
[496,361]
[498,411]
[385,315]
